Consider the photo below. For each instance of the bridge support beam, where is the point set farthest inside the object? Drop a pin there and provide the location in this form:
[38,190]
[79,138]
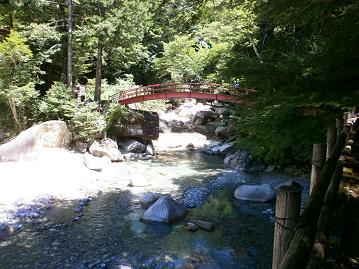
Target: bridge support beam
[287,214]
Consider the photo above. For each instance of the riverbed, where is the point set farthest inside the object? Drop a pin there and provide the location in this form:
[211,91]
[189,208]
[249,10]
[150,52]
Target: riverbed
[98,226]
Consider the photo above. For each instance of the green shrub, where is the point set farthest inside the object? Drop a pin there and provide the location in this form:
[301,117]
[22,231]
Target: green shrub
[84,119]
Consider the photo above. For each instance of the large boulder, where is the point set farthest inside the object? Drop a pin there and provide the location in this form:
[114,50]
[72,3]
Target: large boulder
[177,126]
[29,143]
[257,193]
[107,147]
[203,117]
[243,160]
[165,210]
[138,124]
[55,134]
[227,131]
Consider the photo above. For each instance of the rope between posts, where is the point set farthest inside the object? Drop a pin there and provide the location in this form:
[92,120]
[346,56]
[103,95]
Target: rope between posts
[316,164]
[276,219]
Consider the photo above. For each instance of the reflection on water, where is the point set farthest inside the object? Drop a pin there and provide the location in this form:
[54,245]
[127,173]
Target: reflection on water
[110,234]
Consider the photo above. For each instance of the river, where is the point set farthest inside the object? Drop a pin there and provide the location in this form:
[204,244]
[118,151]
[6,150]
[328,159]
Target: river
[105,230]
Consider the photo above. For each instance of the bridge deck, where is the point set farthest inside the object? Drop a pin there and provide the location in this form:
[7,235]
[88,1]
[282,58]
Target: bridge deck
[208,91]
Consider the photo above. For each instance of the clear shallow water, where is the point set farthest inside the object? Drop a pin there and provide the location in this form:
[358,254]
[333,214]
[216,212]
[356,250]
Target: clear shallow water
[110,235]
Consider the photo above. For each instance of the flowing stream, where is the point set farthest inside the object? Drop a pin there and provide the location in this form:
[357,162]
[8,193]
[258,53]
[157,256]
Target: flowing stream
[105,232]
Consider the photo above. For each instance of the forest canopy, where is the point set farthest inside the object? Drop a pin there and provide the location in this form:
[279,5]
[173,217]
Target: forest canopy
[296,54]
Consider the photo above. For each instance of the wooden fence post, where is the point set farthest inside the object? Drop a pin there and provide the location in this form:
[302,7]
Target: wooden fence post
[339,124]
[318,161]
[331,139]
[287,213]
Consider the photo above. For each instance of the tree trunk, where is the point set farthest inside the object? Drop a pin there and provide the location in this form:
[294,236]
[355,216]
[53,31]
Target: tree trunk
[69,45]
[97,96]
[15,115]
[256,50]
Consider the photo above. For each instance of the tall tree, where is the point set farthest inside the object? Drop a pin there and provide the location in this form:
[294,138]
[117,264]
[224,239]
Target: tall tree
[69,44]
[112,34]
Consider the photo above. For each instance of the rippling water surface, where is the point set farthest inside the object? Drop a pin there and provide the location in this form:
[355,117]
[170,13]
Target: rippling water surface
[108,233]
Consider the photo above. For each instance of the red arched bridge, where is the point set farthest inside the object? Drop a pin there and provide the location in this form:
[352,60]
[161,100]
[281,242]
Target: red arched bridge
[208,91]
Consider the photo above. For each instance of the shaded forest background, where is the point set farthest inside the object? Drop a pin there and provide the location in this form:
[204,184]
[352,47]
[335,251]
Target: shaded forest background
[297,54]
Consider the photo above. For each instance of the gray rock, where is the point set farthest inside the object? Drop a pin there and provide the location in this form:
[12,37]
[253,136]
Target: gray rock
[203,117]
[107,147]
[177,126]
[163,126]
[218,130]
[227,132]
[190,146]
[137,124]
[165,210]
[28,144]
[190,226]
[133,146]
[227,148]
[149,198]
[258,193]
[243,160]
[205,225]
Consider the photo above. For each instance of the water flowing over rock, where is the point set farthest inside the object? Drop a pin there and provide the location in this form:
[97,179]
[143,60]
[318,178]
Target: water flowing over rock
[242,160]
[107,147]
[29,143]
[222,149]
[165,210]
[258,193]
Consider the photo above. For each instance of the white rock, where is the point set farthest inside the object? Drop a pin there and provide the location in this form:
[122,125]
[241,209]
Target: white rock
[28,145]
[96,163]
[106,147]
[258,193]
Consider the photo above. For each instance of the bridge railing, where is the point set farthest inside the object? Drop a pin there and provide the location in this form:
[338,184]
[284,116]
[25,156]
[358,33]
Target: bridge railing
[212,88]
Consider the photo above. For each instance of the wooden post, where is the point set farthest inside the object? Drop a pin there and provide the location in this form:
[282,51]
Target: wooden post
[324,221]
[286,217]
[339,124]
[318,161]
[331,139]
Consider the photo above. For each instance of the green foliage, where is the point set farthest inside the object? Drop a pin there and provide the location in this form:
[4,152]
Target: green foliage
[17,87]
[84,120]
[110,91]
[277,131]
[115,112]
[87,123]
